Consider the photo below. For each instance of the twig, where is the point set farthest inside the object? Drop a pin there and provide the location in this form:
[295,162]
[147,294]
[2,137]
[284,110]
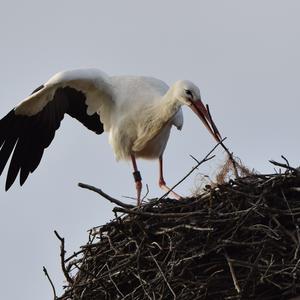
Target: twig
[163,215]
[194,158]
[62,258]
[52,285]
[74,255]
[285,166]
[163,275]
[285,159]
[115,285]
[182,226]
[106,196]
[253,269]
[144,197]
[205,159]
[295,223]
[230,155]
[146,194]
[236,284]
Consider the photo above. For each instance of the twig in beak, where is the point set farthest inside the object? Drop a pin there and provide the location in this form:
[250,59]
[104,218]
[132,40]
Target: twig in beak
[214,127]
[219,139]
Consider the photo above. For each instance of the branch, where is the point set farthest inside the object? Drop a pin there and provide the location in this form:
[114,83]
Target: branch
[62,258]
[285,166]
[129,206]
[163,275]
[236,174]
[75,254]
[205,159]
[159,215]
[111,279]
[104,195]
[164,230]
[52,285]
[236,284]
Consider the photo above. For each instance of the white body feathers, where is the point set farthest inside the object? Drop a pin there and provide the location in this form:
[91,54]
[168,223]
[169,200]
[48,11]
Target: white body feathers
[137,112]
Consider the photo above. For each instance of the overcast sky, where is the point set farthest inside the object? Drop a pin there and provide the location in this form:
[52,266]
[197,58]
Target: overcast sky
[244,56]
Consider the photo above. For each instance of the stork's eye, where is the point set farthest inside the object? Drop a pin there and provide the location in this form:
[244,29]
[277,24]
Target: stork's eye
[188,92]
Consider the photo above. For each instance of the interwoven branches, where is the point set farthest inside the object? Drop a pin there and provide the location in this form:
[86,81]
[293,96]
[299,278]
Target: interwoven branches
[238,240]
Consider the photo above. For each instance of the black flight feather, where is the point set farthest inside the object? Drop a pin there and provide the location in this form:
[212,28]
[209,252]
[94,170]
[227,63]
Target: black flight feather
[26,137]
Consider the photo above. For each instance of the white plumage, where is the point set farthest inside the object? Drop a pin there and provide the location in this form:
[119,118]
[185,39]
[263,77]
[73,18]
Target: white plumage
[137,112]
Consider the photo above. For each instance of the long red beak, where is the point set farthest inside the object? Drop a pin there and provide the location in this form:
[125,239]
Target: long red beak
[201,111]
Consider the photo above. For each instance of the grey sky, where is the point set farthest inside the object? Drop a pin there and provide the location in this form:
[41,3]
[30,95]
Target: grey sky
[244,56]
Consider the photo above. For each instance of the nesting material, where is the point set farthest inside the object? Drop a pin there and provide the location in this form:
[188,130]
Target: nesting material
[238,240]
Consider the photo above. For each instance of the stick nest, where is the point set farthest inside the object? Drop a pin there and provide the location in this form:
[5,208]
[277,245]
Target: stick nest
[238,240]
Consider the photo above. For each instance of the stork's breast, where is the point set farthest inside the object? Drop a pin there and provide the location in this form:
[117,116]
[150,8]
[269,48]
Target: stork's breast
[155,146]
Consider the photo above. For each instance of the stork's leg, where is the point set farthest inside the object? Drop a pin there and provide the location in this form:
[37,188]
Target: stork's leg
[162,183]
[138,179]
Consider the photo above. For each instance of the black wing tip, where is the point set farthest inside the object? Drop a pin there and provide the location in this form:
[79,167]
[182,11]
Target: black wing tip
[8,186]
[14,131]
[8,140]
[10,180]
[23,176]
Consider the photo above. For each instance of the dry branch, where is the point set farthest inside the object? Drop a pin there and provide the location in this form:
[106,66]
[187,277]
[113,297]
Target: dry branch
[62,258]
[205,159]
[51,283]
[106,196]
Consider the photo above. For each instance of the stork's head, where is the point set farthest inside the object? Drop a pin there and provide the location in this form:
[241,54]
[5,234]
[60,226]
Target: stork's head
[188,93]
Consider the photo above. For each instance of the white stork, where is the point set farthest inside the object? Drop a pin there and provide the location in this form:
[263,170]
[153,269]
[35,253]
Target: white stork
[137,112]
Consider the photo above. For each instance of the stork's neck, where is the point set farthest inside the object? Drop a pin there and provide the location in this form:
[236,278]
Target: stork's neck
[169,105]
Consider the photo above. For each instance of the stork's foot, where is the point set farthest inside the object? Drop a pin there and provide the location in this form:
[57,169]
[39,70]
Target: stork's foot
[164,187]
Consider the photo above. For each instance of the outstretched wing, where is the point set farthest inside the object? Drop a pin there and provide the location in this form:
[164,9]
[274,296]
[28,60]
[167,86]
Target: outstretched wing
[30,127]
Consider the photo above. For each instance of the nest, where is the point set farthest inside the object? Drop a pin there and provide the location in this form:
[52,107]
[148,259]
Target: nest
[237,240]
